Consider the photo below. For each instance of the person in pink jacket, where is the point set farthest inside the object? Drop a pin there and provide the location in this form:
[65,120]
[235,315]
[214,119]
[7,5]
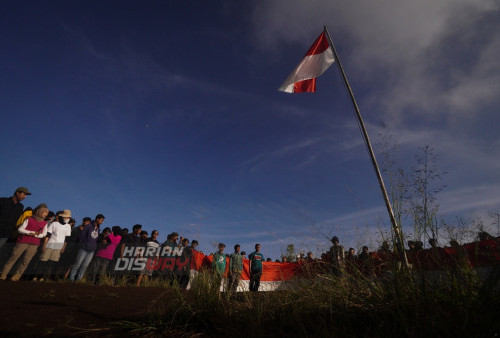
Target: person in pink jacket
[27,243]
[105,255]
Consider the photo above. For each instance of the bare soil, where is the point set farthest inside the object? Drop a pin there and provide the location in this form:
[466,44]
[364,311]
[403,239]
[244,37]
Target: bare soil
[68,308]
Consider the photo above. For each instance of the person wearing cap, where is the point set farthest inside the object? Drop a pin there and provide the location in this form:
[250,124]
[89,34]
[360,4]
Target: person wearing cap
[11,209]
[53,244]
[87,244]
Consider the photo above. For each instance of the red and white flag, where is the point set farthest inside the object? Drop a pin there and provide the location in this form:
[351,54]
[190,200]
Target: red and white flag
[316,61]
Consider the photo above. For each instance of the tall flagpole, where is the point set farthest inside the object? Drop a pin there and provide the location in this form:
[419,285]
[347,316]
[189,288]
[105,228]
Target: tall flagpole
[395,226]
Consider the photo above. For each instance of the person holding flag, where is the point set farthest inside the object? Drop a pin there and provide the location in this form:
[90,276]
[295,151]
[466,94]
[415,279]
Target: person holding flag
[255,268]
[235,268]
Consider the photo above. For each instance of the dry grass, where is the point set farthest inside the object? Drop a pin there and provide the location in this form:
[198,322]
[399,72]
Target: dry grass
[458,303]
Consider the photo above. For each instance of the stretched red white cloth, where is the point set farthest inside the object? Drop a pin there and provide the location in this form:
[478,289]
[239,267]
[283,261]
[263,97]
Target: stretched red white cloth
[276,276]
[316,61]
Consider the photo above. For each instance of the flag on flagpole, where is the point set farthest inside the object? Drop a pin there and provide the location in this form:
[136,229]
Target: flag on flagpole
[316,61]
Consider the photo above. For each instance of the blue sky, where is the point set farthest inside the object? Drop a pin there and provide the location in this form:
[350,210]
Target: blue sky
[167,113]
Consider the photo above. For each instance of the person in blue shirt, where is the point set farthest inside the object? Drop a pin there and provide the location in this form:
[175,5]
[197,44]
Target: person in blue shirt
[255,268]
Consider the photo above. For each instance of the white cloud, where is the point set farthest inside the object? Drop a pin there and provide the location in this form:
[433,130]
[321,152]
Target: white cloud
[481,83]
[430,55]
[470,200]
[270,156]
[305,151]
[362,217]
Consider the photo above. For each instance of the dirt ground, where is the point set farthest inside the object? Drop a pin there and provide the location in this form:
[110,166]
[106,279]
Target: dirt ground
[66,308]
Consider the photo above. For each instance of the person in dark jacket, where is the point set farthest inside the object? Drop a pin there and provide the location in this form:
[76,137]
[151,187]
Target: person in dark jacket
[11,209]
[72,247]
[87,246]
[131,240]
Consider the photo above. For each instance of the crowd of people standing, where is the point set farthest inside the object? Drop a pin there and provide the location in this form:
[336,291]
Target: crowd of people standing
[51,245]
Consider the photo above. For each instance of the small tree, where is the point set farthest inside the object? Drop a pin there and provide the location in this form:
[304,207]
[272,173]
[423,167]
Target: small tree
[424,187]
[290,254]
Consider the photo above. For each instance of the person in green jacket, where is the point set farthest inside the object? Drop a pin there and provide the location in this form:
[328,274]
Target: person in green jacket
[235,268]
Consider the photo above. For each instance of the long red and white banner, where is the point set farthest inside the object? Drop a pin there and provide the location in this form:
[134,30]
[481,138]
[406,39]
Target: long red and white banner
[173,261]
[281,275]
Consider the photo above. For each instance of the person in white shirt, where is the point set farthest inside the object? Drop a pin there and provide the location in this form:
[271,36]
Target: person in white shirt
[53,245]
